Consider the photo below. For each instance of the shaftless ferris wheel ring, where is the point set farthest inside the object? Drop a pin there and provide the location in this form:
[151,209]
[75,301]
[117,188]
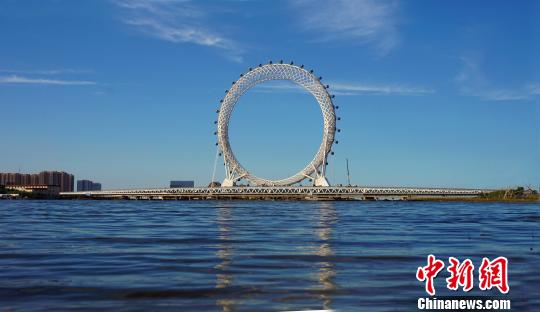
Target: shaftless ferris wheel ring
[296,74]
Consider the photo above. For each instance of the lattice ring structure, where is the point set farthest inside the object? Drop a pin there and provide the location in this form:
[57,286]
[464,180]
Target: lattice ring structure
[315,170]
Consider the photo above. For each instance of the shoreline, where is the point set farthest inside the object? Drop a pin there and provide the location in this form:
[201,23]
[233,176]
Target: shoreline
[477,200]
[419,199]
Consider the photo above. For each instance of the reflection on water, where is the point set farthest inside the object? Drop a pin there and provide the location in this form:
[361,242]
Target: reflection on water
[324,269]
[252,256]
[327,218]
[225,253]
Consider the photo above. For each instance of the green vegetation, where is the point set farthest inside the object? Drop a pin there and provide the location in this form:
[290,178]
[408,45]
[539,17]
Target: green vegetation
[27,195]
[4,191]
[517,194]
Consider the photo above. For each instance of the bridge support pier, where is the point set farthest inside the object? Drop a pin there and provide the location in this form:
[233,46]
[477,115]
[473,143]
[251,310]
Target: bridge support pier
[321,181]
[227,183]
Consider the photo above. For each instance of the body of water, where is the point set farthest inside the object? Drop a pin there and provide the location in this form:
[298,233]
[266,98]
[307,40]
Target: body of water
[254,255]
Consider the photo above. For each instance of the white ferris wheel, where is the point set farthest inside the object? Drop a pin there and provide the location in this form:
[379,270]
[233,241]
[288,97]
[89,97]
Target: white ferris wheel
[315,170]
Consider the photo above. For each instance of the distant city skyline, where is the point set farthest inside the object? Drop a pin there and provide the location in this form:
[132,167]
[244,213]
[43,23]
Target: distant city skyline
[182,184]
[87,185]
[125,91]
[62,180]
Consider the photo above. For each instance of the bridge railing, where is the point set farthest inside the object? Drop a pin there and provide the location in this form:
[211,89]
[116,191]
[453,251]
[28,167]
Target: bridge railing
[337,190]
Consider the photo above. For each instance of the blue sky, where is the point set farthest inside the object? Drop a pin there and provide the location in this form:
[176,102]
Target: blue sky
[124,92]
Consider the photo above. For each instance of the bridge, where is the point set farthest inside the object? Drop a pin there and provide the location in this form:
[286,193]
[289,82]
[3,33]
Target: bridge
[282,192]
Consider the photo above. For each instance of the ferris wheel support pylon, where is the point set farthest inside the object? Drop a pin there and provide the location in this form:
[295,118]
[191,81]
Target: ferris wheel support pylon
[315,171]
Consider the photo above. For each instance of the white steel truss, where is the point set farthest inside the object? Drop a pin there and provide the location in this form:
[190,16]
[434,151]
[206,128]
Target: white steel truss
[285,190]
[315,170]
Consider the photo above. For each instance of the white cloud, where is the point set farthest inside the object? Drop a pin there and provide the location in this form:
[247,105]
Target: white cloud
[177,21]
[371,22]
[359,88]
[14,79]
[472,81]
[65,71]
[534,88]
[351,89]
[502,94]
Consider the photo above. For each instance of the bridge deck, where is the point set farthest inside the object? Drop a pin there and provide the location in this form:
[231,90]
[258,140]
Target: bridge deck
[272,192]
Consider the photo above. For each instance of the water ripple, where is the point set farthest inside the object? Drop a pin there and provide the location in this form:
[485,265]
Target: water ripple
[243,255]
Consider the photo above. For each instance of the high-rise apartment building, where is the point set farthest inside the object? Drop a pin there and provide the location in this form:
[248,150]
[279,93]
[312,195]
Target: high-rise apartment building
[87,185]
[182,184]
[63,180]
